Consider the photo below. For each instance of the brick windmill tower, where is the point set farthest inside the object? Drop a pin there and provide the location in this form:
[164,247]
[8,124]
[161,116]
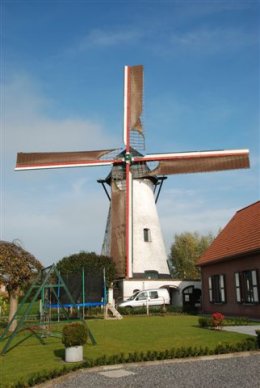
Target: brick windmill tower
[133,235]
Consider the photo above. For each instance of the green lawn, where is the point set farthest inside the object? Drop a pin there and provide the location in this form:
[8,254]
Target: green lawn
[113,337]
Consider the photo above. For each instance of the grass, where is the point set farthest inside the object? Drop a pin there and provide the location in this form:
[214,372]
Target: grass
[156,333]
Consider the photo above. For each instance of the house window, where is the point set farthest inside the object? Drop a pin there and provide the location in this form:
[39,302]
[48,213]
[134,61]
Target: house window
[147,235]
[217,289]
[246,285]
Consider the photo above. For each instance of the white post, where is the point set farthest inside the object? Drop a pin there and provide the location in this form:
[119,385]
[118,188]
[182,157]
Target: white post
[147,307]
[111,297]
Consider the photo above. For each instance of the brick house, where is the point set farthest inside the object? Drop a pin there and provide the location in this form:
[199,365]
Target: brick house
[230,267]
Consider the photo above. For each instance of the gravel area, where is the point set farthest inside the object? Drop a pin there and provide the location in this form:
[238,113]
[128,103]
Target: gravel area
[225,371]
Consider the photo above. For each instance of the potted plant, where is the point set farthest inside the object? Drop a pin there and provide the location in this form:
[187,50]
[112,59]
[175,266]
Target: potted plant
[74,336]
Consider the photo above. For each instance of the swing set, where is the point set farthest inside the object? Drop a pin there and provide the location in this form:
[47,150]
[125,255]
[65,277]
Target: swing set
[60,293]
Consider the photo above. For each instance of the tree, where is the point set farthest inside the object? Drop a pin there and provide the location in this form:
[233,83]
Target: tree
[185,251]
[17,268]
[90,261]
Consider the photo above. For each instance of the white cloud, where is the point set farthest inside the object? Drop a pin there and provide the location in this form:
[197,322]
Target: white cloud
[193,215]
[54,213]
[108,38]
[58,224]
[210,40]
[28,127]
[203,203]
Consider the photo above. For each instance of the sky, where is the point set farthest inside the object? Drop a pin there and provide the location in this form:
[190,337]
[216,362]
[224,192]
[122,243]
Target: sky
[62,90]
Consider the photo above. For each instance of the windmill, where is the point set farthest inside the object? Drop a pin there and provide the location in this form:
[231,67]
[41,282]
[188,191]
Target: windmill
[133,238]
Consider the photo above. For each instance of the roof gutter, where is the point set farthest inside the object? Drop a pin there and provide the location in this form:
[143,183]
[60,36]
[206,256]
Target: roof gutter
[228,258]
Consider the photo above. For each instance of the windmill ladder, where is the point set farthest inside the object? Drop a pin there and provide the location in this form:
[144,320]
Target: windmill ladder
[115,314]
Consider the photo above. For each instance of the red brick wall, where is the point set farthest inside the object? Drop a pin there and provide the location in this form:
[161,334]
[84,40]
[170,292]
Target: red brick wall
[228,268]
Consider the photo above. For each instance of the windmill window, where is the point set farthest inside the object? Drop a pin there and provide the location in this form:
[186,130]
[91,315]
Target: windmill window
[151,274]
[147,235]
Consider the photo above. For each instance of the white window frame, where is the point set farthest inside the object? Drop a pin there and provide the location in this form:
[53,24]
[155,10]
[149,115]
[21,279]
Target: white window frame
[255,286]
[246,289]
[238,287]
[217,288]
[222,288]
[210,289]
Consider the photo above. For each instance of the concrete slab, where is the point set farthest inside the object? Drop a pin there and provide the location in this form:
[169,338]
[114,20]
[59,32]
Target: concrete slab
[116,373]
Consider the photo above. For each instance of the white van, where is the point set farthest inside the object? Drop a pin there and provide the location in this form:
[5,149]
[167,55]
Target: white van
[155,297]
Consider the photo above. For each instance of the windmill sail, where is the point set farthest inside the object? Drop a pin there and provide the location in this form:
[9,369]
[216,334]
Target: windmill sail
[133,107]
[39,160]
[118,228]
[136,98]
[194,162]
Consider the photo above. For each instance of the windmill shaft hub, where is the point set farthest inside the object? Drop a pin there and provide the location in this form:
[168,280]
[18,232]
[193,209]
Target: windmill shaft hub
[128,158]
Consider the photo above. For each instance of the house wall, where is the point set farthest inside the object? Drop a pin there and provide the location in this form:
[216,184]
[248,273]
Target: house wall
[228,268]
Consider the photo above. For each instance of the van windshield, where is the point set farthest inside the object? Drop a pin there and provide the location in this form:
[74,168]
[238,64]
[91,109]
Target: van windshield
[133,296]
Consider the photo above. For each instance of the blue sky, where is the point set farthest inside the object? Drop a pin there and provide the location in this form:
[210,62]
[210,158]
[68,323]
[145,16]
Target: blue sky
[62,90]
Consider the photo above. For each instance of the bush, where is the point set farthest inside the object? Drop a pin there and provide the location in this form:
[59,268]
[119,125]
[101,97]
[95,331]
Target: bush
[258,338]
[3,305]
[153,310]
[74,334]
[217,320]
[208,322]
[237,321]
[251,343]
[204,322]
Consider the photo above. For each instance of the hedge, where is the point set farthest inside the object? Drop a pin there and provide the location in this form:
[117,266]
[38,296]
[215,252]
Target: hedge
[168,354]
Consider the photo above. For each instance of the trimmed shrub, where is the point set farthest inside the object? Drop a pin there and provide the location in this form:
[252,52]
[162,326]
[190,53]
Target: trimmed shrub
[237,321]
[153,310]
[258,338]
[219,320]
[204,322]
[251,343]
[74,334]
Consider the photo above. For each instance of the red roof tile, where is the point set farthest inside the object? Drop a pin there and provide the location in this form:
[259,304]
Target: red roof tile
[241,235]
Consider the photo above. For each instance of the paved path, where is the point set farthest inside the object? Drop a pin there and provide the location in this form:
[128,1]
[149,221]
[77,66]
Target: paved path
[250,330]
[225,371]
